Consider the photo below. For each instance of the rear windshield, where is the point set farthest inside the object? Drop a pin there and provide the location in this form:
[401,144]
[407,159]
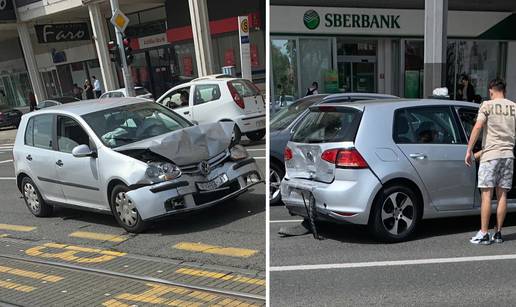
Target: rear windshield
[282,118]
[334,125]
[245,88]
[141,91]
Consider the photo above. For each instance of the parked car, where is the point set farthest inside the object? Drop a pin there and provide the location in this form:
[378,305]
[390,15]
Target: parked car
[9,116]
[55,101]
[220,99]
[386,164]
[129,157]
[140,92]
[282,102]
[284,123]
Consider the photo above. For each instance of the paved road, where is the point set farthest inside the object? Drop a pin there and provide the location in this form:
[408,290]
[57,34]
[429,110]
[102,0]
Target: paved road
[348,268]
[231,235]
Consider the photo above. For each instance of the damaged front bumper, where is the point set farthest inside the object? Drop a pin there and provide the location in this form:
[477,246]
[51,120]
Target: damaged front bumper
[185,194]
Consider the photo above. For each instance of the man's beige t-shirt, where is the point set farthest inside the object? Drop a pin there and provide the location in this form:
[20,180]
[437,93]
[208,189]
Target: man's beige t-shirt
[500,129]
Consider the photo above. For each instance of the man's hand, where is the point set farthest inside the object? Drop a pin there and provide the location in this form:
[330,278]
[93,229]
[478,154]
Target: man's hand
[469,155]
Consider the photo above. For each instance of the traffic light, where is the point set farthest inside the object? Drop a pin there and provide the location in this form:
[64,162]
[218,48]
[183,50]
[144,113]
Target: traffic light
[128,50]
[114,52]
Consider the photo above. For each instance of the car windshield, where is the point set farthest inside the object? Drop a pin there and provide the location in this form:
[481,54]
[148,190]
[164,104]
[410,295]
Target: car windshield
[245,88]
[141,91]
[328,125]
[66,99]
[132,123]
[281,119]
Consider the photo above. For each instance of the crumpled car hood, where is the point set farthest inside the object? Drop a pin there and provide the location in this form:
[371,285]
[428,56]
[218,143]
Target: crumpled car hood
[188,145]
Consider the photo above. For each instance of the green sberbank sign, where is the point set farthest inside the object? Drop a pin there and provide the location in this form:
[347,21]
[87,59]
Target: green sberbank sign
[311,19]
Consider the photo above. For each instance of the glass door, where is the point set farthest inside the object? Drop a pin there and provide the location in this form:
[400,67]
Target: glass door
[51,83]
[284,70]
[356,63]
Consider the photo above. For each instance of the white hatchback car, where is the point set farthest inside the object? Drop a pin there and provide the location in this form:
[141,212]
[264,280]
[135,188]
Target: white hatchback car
[220,99]
[139,91]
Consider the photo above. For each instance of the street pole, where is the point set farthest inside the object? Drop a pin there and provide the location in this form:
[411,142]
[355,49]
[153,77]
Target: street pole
[128,80]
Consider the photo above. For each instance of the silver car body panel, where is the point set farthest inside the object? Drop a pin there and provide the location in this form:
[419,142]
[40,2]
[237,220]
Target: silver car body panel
[446,185]
[84,182]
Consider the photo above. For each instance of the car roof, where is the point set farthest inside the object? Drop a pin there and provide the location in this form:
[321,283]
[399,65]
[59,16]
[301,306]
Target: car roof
[123,89]
[397,103]
[89,106]
[365,95]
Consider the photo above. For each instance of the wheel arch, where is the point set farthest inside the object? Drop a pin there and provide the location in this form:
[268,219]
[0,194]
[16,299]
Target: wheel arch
[111,185]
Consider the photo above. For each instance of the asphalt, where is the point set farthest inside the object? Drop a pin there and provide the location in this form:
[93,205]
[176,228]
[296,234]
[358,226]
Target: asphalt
[235,230]
[439,267]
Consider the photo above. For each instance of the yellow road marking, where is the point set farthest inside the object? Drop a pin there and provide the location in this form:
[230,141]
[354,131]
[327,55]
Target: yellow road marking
[222,276]
[98,236]
[15,286]
[16,227]
[69,253]
[30,274]
[217,250]
[4,235]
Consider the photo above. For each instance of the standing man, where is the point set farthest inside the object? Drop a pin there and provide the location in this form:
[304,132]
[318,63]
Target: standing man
[97,88]
[497,119]
[314,90]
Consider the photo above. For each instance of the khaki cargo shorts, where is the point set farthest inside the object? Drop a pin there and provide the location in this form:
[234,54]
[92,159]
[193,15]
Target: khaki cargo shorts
[496,173]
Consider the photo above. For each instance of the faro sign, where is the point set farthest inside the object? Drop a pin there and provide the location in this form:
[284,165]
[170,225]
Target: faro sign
[63,32]
[311,19]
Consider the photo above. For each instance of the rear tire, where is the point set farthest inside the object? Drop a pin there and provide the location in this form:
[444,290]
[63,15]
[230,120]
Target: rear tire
[276,174]
[395,214]
[256,135]
[124,210]
[35,203]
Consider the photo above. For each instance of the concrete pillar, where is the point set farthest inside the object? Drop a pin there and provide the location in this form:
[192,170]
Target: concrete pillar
[30,61]
[100,35]
[436,15]
[201,36]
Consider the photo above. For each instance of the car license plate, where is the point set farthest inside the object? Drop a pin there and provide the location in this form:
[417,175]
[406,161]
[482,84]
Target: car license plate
[260,123]
[213,184]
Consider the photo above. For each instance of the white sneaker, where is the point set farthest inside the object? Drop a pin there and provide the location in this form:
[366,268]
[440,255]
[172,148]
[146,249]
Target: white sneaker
[481,238]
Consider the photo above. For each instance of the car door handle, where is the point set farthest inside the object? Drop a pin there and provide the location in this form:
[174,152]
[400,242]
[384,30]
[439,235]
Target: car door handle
[59,163]
[186,113]
[418,156]
[28,157]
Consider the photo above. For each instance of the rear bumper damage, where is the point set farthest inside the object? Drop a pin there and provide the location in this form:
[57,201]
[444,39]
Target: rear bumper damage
[183,194]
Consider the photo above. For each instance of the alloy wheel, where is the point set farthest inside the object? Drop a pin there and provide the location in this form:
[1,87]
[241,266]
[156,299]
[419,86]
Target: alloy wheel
[31,196]
[275,181]
[126,209]
[397,213]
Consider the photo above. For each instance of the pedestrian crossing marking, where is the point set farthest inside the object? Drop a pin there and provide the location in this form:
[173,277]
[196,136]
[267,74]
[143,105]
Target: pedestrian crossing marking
[217,250]
[16,227]
[16,286]
[98,236]
[30,274]
[222,276]
[69,253]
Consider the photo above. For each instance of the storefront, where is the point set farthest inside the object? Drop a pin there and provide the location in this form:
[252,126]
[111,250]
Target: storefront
[381,50]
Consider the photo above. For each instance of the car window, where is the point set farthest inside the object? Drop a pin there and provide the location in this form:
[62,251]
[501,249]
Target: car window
[426,125]
[468,118]
[116,95]
[105,95]
[177,99]
[42,135]
[132,123]
[70,134]
[141,91]
[29,133]
[206,93]
[245,88]
[323,125]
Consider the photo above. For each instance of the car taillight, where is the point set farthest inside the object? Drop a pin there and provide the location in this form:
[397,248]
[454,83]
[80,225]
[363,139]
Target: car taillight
[287,154]
[344,158]
[236,96]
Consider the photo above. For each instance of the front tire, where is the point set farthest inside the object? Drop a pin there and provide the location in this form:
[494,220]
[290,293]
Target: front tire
[36,204]
[395,214]
[125,211]
[255,135]
[276,174]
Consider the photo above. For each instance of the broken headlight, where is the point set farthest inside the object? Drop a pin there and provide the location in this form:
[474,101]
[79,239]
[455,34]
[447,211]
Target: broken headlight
[162,171]
[238,152]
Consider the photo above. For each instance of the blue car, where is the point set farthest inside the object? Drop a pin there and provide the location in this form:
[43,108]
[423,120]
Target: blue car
[284,123]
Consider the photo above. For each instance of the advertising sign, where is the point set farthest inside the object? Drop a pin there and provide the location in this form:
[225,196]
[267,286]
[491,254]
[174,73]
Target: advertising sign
[62,32]
[245,49]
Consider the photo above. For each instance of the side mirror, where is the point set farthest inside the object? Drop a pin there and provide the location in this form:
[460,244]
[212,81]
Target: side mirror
[83,150]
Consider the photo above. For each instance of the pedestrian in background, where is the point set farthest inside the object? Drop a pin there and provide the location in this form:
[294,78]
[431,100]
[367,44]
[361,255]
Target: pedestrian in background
[77,91]
[466,90]
[88,89]
[497,119]
[313,90]
[97,87]
[32,101]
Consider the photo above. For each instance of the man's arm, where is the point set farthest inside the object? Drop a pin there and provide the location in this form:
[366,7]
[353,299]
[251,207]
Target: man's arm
[475,133]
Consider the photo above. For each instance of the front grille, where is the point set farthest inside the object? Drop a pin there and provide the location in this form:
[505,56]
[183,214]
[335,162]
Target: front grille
[206,197]
[193,169]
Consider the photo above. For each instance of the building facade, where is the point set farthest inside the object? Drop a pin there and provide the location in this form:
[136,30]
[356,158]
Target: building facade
[371,49]
[66,44]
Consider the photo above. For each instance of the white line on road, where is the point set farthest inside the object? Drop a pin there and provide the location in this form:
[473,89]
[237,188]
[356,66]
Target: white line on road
[352,265]
[286,221]
[259,158]
[255,149]
[6,161]
[7,178]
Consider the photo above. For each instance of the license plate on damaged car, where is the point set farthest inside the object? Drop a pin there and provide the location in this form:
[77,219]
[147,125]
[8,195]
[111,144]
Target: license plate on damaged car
[260,123]
[213,184]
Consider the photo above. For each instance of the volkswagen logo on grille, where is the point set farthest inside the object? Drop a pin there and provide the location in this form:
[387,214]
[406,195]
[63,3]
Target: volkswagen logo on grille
[310,156]
[204,168]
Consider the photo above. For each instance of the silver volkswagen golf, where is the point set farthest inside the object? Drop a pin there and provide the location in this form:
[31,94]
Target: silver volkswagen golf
[129,157]
[386,164]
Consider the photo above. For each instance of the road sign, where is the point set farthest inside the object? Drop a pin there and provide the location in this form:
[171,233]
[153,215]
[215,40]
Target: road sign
[245,53]
[119,20]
